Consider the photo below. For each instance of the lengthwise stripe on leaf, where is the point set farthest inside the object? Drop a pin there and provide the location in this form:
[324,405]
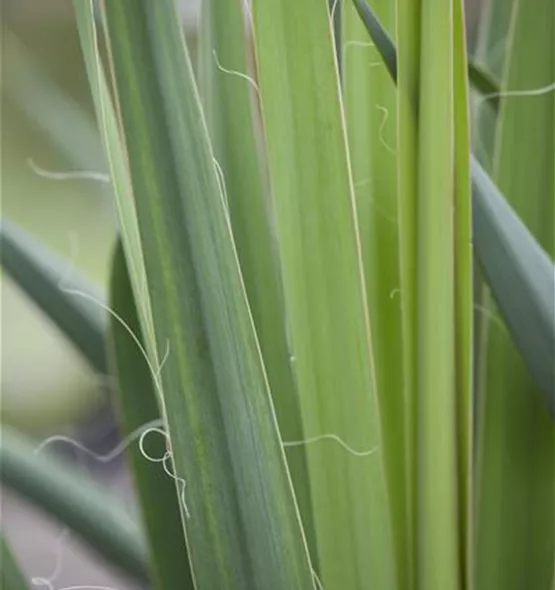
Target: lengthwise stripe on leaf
[228,98]
[244,531]
[370,104]
[464,297]
[313,200]
[138,405]
[497,228]
[482,80]
[436,331]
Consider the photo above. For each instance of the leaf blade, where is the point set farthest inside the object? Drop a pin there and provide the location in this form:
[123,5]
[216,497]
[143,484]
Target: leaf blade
[315,213]
[138,406]
[221,421]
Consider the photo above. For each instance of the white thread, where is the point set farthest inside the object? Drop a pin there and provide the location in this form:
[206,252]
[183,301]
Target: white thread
[41,581]
[361,45]
[139,431]
[108,457]
[73,254]
[382,126]
[164,359]
[355,43]
[123,323]
[332,437]
[221,182]
[164,461]
[362,183]
[496,53]
[71,291]
[332,13]
[525,93]
[249,13]
[394,292]
[236,73]
[319,584]
[68,175]
[492,317]
[382,211]
[519,93]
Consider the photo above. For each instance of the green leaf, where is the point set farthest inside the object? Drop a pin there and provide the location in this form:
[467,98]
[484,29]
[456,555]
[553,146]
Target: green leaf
[11,576]
[117,161]
[102,523]
[40,274]
[438,333]
[138,406]
[228,100]
[313,200]
[482,80]
[244,530]
[464,299]
[370,104]
[502,270]
[516,458]
[522,272]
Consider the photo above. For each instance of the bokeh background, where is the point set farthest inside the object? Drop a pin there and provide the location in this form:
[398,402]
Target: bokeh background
[47,124]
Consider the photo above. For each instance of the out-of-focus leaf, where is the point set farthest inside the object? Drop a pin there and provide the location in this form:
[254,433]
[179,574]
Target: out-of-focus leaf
[70,129]
[41,275]
[516,453]
[484,83]
[11,576]
[138,405]
[523,275]
[101,522]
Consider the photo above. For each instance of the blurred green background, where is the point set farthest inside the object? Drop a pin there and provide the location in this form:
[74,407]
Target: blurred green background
[47,118]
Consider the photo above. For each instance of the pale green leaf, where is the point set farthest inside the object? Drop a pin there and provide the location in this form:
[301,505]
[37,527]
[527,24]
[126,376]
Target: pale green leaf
[313,199]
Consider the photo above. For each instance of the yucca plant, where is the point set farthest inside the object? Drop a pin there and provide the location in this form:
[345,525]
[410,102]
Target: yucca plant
[291,304]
